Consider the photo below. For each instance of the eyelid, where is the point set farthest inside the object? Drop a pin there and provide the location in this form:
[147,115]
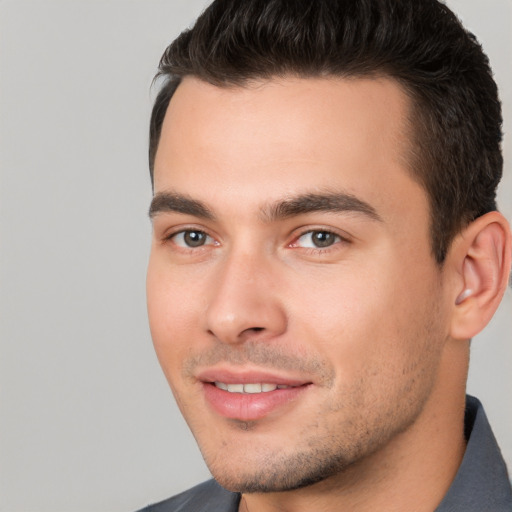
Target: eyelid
[181,237]
[172,233]
[340,235]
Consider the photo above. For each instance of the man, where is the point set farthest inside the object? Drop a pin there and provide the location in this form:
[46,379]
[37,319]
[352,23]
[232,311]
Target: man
[326,243]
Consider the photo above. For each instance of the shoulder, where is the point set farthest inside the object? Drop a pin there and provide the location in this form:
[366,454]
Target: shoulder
[206,497]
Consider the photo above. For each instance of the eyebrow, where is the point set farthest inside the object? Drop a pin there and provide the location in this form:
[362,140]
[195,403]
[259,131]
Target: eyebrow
[321,202]
[172,202]
[298,205]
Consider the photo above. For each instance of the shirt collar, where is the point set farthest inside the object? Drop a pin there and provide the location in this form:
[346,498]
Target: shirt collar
[482,481]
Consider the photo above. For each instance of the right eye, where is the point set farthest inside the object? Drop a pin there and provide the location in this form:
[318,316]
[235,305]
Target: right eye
[191,238]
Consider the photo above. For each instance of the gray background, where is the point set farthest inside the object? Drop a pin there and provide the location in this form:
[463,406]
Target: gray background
[86,420]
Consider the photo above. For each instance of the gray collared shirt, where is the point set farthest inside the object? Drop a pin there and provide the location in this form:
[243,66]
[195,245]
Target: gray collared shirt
[481,484]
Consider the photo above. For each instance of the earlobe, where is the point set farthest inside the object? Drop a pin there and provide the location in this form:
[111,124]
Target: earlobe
[482,257]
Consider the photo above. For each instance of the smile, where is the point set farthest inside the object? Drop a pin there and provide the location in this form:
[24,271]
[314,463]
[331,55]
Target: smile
[251,401]
[250,388]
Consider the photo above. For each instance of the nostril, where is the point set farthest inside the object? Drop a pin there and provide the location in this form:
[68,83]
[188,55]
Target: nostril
[251,331]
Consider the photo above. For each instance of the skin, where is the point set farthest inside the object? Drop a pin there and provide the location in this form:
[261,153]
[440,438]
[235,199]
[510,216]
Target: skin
[364,321]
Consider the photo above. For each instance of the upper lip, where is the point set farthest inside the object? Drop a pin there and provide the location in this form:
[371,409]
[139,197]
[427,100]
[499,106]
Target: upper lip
[248,377]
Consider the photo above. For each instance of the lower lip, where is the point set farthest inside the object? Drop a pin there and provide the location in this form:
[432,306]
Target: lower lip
[249,406]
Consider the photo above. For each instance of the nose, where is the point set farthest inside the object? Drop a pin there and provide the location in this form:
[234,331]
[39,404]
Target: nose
[244,302]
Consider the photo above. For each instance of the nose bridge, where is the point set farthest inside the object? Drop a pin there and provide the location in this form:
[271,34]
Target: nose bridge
[244,298]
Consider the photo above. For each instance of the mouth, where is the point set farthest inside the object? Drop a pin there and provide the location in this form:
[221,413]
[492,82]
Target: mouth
[250,388]
[250,396]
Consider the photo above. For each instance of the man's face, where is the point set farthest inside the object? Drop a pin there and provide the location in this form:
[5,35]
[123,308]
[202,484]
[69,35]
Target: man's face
[294,304]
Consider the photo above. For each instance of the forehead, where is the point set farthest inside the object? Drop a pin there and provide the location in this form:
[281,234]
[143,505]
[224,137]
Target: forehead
[293,134]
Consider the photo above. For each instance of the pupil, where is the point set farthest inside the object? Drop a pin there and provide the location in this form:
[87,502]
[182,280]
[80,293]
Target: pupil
[323,239]
[194,238]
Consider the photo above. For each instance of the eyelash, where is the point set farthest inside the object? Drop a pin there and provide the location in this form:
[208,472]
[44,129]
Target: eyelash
[335,239]
[294,244]
[338,239]
[171,237]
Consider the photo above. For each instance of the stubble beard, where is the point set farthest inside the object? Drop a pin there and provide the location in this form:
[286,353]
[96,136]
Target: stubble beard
[357,426]
[317,456]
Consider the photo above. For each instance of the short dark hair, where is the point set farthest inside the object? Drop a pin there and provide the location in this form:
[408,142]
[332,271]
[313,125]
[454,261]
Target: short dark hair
[455,116]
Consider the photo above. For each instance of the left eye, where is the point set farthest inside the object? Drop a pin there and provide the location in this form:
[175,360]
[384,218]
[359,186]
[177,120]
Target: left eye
[191,238]
[317,239]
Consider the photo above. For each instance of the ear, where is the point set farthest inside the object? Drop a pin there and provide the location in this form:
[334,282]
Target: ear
[481,257]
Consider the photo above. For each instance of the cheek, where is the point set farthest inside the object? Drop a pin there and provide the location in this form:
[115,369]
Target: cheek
[363,323]
[339,305]
[171,314]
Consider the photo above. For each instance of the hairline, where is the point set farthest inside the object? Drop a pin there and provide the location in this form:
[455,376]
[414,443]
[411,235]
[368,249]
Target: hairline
[414,156]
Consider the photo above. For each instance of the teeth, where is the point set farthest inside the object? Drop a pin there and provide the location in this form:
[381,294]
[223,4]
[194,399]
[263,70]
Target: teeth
[249,388]
[236,388]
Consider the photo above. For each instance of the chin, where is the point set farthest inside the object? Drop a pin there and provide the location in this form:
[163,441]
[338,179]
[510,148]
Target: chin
[277,472]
